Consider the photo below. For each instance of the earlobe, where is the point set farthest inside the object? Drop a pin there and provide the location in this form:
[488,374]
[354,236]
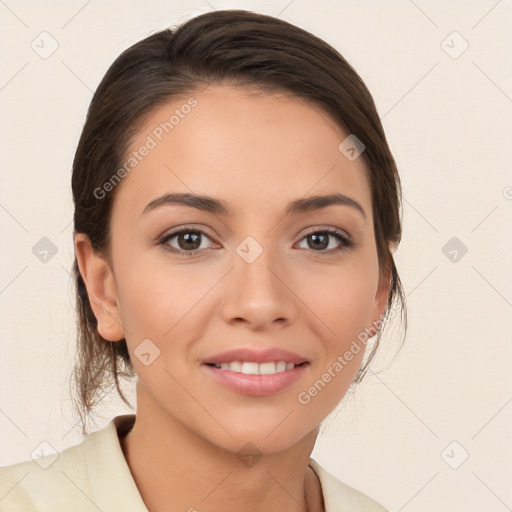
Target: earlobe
[384,287]
[381,299]
[101,290]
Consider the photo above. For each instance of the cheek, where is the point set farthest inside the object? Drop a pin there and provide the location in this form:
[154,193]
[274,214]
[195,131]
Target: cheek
[167,303]
[343,297]
[154,297]
[163,304]
[343,301]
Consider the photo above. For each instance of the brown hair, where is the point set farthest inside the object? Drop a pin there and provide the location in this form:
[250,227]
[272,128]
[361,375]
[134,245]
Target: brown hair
[241,48]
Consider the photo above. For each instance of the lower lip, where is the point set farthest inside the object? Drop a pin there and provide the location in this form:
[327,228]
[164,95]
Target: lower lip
[256,385]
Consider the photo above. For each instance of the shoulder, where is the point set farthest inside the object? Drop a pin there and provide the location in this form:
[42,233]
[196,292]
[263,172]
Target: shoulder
[85,477]
[27,485]
[340,497]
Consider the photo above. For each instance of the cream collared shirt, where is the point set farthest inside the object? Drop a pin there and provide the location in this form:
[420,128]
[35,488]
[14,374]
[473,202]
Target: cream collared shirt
[94,476]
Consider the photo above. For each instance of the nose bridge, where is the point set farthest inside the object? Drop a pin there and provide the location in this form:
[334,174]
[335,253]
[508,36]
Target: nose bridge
[257,292]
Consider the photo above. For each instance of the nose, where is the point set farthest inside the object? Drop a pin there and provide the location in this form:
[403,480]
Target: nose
[260,294]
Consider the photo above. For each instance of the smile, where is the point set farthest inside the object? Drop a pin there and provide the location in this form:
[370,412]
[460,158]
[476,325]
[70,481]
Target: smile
[253,368]
[256,379]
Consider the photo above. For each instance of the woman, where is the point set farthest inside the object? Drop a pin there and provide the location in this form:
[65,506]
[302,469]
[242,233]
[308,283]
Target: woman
[236,211]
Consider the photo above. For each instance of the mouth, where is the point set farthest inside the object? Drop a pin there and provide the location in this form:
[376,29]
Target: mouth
[254,368]
[254,378]
[256,371]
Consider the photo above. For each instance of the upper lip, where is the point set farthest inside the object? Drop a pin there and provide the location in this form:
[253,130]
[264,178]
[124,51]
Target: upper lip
[256,355]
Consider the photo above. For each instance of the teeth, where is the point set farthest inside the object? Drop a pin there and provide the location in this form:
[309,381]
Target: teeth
[252,368]
[235,366]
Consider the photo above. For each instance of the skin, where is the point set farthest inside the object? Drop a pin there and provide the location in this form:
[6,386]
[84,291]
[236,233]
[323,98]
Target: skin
[248,149]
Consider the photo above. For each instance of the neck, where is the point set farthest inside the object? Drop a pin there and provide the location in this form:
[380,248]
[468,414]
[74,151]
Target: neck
[175,469]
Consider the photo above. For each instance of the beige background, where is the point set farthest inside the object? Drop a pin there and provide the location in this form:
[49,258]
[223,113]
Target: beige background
[448,118]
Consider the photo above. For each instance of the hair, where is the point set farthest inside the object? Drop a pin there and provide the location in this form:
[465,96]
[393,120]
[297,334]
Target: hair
[233,47]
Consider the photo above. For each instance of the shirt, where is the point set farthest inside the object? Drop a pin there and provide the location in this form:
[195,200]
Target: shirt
[94,476]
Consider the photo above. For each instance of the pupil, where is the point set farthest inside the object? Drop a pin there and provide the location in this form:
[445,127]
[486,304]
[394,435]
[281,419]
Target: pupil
[323,243]
[189,238]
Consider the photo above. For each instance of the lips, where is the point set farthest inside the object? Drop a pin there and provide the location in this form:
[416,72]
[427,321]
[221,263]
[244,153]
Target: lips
[256,356]
[256,372]
[256,385]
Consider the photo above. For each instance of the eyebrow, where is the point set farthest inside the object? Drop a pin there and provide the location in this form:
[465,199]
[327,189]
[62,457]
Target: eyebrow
[217,206]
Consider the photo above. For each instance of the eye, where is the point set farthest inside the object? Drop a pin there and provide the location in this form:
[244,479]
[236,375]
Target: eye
[321,240]
[188,242]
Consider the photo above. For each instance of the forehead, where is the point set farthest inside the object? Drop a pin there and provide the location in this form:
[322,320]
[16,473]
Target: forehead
[242,145]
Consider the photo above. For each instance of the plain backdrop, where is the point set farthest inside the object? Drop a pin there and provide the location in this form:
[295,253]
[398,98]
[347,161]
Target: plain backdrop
[431,431]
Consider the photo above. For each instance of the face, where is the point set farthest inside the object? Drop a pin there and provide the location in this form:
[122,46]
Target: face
[258,267]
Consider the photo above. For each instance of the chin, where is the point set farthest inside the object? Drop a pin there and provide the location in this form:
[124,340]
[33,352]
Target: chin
[264,434]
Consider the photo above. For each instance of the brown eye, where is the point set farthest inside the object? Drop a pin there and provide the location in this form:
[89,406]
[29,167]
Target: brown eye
[318,241]
[327,241]
[189,240]
[186,241]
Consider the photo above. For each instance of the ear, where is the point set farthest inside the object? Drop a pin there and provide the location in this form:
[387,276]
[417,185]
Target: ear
[381,297]
[101,289]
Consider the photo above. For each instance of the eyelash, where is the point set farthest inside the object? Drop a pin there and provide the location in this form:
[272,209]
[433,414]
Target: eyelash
[345,241]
